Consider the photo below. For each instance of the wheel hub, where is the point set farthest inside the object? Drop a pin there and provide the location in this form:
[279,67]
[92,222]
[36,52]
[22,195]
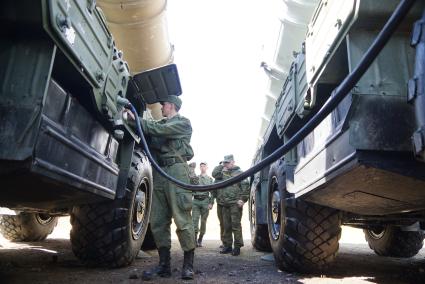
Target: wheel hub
[275,209]
[253,212]
[275,206]
[376,233]
[43,219]
[140,202]
[139,209]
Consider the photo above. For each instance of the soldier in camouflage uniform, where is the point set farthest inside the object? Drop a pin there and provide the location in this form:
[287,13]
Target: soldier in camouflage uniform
[231,199]
[218,178]
[192,175]
[170,138]
[202,203]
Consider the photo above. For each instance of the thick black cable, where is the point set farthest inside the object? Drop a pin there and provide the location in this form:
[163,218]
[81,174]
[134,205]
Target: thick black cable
[336,97]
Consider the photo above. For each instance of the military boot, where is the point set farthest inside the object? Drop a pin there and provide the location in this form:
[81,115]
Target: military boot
[226,250]
[187,271]
[199,242]
[236,251]
[163,269]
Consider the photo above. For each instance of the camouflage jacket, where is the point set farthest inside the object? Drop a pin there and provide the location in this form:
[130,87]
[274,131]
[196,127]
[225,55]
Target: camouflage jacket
[231,194]
[170,138]
[194,179]
[204,180]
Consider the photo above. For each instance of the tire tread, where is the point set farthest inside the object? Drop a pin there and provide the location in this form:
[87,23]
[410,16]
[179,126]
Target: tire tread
[312,234]
[398,244]
[100,233]
[23,227]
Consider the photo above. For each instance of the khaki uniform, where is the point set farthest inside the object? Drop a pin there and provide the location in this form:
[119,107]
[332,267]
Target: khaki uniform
[200,209]
[217,178]
[170,140]
[227,199]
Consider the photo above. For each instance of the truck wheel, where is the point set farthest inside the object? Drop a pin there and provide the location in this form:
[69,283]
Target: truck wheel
[111,233]
[392,241]
[259,233]
[304,236]
[149,242]
[27,227]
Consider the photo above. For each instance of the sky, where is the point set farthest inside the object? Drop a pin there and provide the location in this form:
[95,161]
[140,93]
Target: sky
[218,50]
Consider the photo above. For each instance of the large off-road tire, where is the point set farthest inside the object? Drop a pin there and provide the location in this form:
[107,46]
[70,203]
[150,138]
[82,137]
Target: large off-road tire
[111,233]
[392,241]
[304,236]
[149,242]
[27,227]
[259,232]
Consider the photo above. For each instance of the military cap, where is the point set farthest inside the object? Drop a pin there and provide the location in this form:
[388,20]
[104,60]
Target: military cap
[228,159]
[192,165]
[174,100]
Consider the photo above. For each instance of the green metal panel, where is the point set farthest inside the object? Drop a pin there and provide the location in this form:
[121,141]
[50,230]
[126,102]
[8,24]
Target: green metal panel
[285,105]
[335,17]
[24,76]
[81,33]
[85,36]
[388,74]
[292,100]
[381,122]
[304,99]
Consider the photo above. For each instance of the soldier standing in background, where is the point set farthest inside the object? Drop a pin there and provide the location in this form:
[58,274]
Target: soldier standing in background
[232,199]
[170,144]
[202,203]
[216,173]
[192,175]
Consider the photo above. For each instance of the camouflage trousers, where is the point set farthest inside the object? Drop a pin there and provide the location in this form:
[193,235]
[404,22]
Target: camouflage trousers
[172,202]
[200,211]
[220,220]
[232,216]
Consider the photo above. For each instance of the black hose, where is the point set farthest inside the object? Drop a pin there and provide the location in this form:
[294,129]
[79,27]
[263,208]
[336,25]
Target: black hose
[336,97]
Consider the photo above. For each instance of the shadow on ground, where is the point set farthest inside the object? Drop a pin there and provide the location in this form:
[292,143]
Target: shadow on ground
[52,261]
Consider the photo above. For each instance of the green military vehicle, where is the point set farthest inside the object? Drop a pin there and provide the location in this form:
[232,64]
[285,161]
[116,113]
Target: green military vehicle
[363,165]
[65,146]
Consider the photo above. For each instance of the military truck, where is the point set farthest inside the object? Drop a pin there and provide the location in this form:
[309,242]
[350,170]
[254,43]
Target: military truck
[363,165]
[65,146]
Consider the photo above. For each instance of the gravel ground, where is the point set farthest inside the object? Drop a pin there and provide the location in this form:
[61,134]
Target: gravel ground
[52,261]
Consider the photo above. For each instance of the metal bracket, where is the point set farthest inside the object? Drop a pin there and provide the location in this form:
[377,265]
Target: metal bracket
[417,33]
[63,22]
[91,5]
[418,141]
[412,89]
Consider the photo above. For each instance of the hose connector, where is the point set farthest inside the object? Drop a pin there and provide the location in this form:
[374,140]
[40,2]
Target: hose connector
[122,102]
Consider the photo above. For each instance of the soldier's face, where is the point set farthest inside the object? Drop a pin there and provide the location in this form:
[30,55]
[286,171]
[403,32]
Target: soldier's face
[203,168]
[229,165]
[166,108]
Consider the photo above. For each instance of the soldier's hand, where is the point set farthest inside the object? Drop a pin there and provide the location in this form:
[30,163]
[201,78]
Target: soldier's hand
[128,115]
[240,203]
[210,206]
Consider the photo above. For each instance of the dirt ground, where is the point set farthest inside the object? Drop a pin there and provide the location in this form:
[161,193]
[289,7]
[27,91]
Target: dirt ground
[52,261]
